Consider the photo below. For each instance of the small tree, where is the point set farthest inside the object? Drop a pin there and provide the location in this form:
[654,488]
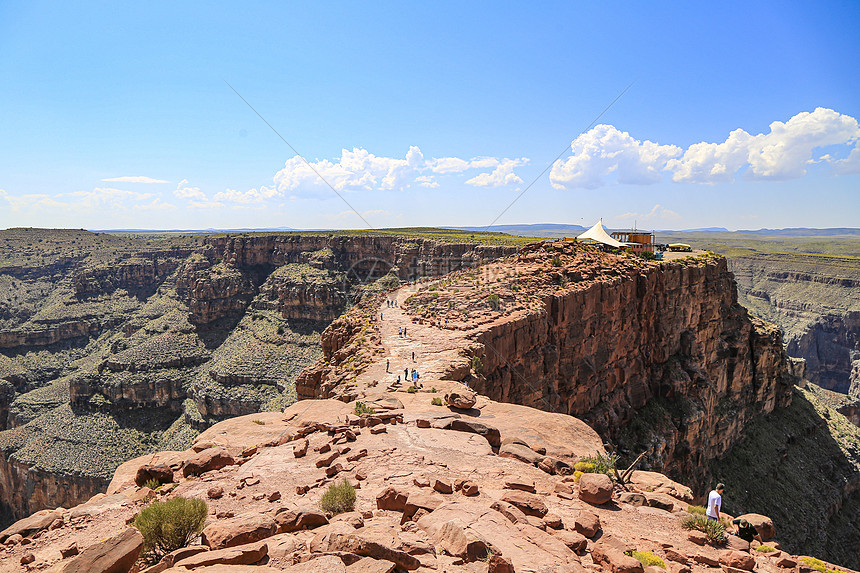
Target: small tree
[339,498]
[169,525]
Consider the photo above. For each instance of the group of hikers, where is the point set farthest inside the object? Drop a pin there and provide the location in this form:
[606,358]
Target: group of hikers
[745,529]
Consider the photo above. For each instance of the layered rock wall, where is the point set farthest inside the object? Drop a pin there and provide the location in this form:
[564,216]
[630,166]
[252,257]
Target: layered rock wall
[674,337]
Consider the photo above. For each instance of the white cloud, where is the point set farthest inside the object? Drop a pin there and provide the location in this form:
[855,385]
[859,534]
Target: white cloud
[503,174]
[246,197]
[657,213]
[184,191]
[781,154]
[604,150]
[448,165]
[135,179]
[427,181]
[851,164]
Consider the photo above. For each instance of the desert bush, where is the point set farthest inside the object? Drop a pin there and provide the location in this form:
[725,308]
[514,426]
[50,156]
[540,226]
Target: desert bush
[648,255]
[412,389]
[714,530]
[338,498]
[647,558]
[556,261]
[584,467]
[477,365]
[152,484]
[765,549]
[696,509]
[814,563]
[259,422]
[362,408]
[576,475]
[436,401]
[494,301]
[169,525]
[603,464]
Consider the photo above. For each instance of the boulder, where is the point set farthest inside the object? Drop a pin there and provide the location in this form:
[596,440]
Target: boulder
[289,519]
[421,499]
[391,499]
[301,448]
[69,550]
[632,498]
[595,488]
[209,459]
[576,541]
[609,553]
[491,434]
[697,537]
[586,523]
[736,543]
[762,524]
[247,554]
[30,525]
[443,486]
[706,558]
[528,503]
[664,501]
[462,399]
[675,555]
[371,565]
[215,492]
[27,558]
[511,512]
[173,557]
[246,528]
[114,555]
[786,562]
[353,542]
[521,453]
[523,484]
[737,560]
[162,473]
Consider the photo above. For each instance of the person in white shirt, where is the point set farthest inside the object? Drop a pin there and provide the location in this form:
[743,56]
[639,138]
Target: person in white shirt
[715,502]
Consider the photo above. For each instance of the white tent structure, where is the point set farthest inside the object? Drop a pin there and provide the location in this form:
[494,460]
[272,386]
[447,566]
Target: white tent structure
[598,234]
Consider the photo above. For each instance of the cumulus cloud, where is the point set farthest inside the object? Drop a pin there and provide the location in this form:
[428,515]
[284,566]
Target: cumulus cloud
[657,213]
[185,191]
[785,152]
[503,174]
[246,197]
[135,179]
[426,181]
[781,154]
[605,150]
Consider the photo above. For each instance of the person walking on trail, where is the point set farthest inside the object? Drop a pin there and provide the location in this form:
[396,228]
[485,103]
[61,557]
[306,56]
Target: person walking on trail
[413,357]
[400,331]
[386,365]
[406,374]
[715,502]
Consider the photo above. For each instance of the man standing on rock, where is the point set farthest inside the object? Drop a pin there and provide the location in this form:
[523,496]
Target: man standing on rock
[715,502]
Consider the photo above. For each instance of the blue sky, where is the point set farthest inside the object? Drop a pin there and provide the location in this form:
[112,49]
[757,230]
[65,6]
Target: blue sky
[116,115]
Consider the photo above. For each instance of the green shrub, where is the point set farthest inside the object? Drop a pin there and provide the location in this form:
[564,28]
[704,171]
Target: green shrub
[603,464]
[432,390]
[339,498]
[436,401]
[477,365]
[169,525]
[556,261]
[412,389]
[259,422]
[696,509]
[648,255]
[152,484]
[714,530]
[362,408]
[647,558]
[584,467]
[494,301]
[814,563]
[765,549]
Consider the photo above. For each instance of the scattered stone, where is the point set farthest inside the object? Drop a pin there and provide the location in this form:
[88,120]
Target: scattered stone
[30,525]
[737,560]
[521,453]
[575,540]
[274,496]
[552,520]
[422,423]
[300,449]
[610,555]
[528,503]
[325,448]
[586,523]
[675,555]
[520,484]
[324,461]
[289,519]
[632,498]
[27,558]
[371,565]
[69,550]
[595,489]
[491,434]
[357,456]
[697,537]
[786,562]
[762,524]
[706,559]
[391,499]
[333,470]
[511,512]
[337,541]
[378,430]
[215,492]
[737,544]
[421,481]
[14,539]
[56,524]
[443,486]
[353,518]
[207,460]
[421,499]
[469,488]
[244,554]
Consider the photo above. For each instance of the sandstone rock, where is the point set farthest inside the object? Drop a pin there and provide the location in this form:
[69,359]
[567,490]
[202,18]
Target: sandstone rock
[14,539]
[491,434]
[675,567]
[215,492]
[27,558]
[289,519]
[470,488]
[463,399]
[586,523]
[56,524]
[209,459]
[762,524]
[422,423]
[321,564]
[240,530]
[421,481]
[520,484]
[173,557]
[162,473]
[443,486]
[274,496]
[357,544]
[353,518]
[632,498]
[563,488]
[326,460]
[29,525]
[706,559]
[697,537]
[736,543]
[675,555]
[114,555]
[552,520]
[301,448]
[528,503]
[69,550]
[421,499]
[522,453]
[246,554]
[786,562]
[609,553]
[573,539]
[511,512]
[595,488]
[371,565]
[663,501]
[737,559]
[391,499]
